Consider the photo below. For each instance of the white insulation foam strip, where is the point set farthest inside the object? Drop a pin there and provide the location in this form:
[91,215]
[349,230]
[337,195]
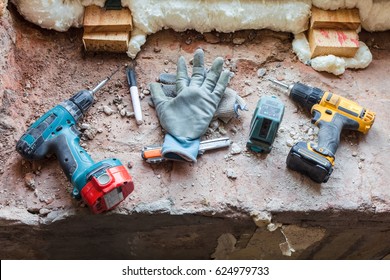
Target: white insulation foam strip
[205,15]
[52,14]
[223,16]
[150,16]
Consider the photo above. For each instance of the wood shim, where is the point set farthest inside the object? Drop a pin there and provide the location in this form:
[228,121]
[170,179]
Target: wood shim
[107,30]
[107,41]
[338,19]
[98,19]
[343,43]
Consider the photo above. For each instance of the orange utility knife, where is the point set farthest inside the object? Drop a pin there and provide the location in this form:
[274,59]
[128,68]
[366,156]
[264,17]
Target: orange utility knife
[152,153]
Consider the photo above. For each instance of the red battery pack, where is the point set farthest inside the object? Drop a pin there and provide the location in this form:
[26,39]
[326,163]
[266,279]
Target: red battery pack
[105,191]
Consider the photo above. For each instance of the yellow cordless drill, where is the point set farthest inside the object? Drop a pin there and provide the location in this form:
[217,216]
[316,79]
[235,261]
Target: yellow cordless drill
[331,113]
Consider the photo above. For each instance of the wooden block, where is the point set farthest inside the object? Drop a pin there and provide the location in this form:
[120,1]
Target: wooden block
[106,41]
[338,19]
[344,43]
[98,19]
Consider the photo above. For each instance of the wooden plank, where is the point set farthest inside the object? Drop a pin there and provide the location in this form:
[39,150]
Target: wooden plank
[344,43]
[98,19]
[106,41]
[338,19]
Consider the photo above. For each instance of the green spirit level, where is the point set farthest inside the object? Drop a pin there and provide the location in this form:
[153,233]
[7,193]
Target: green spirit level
[265,123]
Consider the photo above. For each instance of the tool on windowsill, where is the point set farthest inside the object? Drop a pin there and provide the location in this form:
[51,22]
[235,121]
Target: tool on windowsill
[102,185]
[152,153]
[265,123]
[331,113]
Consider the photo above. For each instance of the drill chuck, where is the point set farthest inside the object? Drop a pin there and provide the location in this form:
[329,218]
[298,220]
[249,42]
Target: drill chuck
[306,96]
[302,94]
[83,100]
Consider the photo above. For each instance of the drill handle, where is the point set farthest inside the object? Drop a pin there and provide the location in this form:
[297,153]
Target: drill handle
[330,130]
[71,156]
[328,138]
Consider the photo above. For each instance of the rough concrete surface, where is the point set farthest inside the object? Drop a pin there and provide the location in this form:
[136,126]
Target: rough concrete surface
[183,210]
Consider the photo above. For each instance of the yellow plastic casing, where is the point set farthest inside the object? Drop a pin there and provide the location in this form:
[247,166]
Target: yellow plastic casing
[329,158]
[365,118]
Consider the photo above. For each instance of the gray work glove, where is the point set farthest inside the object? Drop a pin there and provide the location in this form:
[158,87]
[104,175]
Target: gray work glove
[228,108]
[187,116]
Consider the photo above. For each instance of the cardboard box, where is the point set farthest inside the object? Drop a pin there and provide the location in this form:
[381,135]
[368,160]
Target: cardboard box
[98,19]
[107,41]
[338,19]
[343,43]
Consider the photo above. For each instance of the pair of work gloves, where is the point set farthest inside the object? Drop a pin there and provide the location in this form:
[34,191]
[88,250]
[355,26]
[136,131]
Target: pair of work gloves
[186,110]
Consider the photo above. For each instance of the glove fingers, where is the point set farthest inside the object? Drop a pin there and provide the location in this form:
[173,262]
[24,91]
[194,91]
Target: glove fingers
[167,78]
[169,90]
[221,85]
[198,71]
[213,75]
[182,79]
[158,95]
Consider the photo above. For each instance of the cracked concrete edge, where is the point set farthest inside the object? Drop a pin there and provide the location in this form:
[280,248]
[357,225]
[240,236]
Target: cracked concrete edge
[226,210]
[11,216]
[261,218]
[297,240]
[19,216]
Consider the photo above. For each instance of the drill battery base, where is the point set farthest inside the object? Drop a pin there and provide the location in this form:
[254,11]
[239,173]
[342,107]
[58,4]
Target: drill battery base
[107,186]
[304,159]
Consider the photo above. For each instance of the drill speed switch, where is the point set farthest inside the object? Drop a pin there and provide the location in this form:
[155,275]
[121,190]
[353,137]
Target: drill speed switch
[265,123]
[102,185]
[331,113]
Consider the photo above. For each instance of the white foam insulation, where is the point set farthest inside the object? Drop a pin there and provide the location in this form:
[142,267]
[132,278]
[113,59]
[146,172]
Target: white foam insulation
[330,63]
[150,16]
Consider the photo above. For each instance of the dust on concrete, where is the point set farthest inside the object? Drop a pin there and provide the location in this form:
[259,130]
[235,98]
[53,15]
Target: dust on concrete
[41,68]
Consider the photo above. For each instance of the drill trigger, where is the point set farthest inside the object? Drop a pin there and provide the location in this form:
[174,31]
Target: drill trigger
[316,116]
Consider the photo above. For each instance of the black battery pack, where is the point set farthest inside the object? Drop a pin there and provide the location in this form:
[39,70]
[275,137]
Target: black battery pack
[309,163]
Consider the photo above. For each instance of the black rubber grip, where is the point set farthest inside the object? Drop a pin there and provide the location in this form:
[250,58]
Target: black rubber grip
[329,134]
[83,99]
[64,154]
[306,96]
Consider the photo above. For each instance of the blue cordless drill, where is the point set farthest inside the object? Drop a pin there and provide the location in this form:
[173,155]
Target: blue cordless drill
[102,185]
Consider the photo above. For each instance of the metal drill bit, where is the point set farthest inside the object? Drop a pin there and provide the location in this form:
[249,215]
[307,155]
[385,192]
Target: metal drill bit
[279,83]
[102,83]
